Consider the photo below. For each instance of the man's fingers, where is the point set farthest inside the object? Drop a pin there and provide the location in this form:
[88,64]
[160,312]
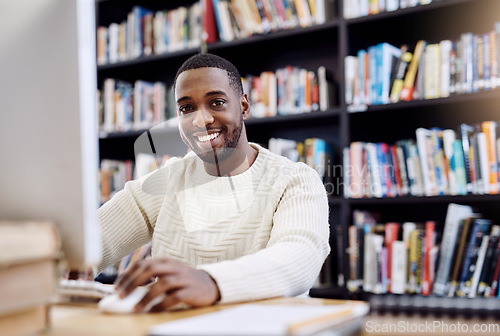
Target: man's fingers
[125,277]
[164,285]
[171,300]
[143,272]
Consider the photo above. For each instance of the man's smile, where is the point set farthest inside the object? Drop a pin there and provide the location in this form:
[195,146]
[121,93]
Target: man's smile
[207,137]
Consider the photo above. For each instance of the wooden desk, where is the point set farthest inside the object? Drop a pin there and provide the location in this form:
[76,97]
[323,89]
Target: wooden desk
[86,319]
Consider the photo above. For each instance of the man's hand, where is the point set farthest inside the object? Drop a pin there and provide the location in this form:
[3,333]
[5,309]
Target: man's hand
[179,283]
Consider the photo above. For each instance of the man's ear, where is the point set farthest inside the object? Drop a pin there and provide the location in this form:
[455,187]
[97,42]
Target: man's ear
[245,106]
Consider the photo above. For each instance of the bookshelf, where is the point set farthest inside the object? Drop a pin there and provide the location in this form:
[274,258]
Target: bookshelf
[327,45]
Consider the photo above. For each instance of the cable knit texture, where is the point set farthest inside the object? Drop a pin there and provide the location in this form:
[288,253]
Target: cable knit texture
[263,233]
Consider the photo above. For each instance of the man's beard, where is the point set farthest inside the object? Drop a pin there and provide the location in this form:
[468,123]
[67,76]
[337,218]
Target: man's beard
[218,155]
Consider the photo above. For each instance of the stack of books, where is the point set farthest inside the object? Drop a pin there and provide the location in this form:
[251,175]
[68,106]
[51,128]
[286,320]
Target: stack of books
[28,255]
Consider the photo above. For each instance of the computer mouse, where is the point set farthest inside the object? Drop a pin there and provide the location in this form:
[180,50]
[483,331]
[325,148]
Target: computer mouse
[115,305]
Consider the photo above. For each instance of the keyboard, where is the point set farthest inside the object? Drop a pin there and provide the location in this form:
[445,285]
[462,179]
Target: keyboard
[83,289]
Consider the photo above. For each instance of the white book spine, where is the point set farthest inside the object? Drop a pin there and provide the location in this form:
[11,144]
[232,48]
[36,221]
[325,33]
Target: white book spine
[323,89]
[392,5]
[399,267]
[429,186]
[109,105]
[350,72]
[113,31]
[369,264]
[445,68]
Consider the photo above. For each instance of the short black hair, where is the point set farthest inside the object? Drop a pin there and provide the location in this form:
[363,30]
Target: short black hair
[213,61]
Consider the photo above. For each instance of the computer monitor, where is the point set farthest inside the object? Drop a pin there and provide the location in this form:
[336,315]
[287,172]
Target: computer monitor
[48,120]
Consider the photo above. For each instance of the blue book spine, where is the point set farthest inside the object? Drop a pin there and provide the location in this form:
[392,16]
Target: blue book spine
[218,20]
[382,161]
[380,75]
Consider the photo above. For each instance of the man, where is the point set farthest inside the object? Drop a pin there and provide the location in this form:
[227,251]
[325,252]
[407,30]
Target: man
[228,222]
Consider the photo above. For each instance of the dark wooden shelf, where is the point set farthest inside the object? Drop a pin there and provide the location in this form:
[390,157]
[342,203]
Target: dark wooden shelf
[135,133]
[336,200]
[147,59]
[295,117]
[456,99]
[281,34]
[425,199]
[406,11]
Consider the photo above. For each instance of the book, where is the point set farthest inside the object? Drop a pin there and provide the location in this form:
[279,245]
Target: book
[454,216]
[209,23]
[391,235]
[399,267]
[428,266]
[409,82]
[479,266]
[479,229]
[425,151]
[466,133]
[26,284]
[388,56]
[489,128]
[460,250]
[27,241]
[399,74]
[489,265]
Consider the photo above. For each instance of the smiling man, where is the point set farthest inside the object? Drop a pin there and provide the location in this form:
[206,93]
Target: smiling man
[228,222]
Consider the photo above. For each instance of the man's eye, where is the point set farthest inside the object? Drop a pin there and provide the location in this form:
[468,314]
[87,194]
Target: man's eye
[218,103]
[185,109]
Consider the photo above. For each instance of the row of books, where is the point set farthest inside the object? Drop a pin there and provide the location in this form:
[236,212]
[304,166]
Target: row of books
[413,258]
[123,106]
[146,32]
[238,19]
[315,152]
[385,74]
[437,163]
[358,8]
[113,174]
[289,90]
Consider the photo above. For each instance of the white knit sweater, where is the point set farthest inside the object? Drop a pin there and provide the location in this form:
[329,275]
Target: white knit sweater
[260,234]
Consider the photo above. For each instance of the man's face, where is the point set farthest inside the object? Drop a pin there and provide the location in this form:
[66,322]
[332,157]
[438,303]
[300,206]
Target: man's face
[210,113]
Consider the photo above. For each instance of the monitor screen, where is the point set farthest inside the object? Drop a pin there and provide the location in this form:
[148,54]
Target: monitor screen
[48,120]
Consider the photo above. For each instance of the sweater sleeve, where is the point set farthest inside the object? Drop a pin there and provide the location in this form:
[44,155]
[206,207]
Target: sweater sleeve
[127,221]
[295,253]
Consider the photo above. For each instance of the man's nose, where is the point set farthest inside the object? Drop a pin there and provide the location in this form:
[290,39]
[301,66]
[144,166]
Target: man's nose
[202,117]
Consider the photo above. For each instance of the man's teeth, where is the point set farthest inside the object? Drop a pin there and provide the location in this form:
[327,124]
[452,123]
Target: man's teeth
[208,137]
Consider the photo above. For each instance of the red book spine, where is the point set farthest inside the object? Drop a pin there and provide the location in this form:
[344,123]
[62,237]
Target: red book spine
[391,235]
[209,24]
[430,231]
